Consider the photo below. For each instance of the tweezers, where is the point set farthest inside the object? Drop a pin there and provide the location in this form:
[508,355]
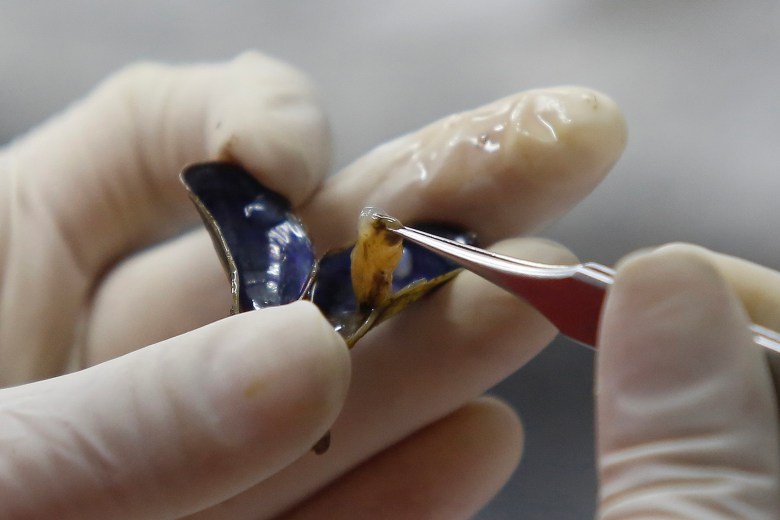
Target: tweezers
[569,296]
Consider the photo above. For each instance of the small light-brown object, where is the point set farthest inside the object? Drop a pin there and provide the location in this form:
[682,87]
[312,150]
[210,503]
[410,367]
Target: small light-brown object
[374,258]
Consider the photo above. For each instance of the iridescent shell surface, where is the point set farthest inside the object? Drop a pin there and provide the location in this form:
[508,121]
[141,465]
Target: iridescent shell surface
[270,260]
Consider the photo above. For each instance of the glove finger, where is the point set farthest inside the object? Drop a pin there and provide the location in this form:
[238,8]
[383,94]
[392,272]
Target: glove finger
[502,169]
[164,292]
[449,469]
[101,181]
[119,152]
[758,288]
[550,148]
[412,370]
[176,427]
[687,417]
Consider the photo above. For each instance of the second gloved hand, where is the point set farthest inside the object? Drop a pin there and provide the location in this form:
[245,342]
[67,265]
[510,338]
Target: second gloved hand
[687,413]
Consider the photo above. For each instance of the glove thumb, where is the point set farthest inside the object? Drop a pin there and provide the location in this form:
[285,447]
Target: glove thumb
[687,418]
[174,427]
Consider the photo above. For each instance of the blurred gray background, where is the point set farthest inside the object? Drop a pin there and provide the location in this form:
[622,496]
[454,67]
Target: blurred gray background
[698,82]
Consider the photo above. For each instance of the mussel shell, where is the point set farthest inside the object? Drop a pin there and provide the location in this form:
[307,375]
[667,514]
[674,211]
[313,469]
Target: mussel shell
[262,243]
[270,259]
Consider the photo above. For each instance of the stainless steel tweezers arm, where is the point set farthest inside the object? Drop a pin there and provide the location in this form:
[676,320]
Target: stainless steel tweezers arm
[570,296]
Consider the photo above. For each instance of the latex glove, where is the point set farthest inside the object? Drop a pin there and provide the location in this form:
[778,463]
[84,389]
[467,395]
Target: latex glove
[687,413]
[104,254]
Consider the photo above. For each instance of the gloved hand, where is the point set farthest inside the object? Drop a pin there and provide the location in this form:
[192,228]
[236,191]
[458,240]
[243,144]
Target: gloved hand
[103,255]
[687,413]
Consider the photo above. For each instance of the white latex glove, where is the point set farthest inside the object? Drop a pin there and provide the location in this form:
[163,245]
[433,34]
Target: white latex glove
[687,413]
[103,254]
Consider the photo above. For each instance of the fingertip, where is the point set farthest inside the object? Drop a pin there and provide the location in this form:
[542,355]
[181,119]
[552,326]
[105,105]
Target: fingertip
[663,292]
[575,120]
[565,141]
[673,334]
[281,377]
[448,469]
[505,427]
[488,436]
[665,309]
[266,115]
[673,267]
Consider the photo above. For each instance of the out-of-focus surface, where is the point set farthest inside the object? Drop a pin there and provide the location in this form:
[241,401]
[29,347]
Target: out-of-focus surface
[698,82]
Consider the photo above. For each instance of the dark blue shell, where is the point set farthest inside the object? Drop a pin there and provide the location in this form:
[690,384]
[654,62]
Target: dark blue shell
[263,244]
[271,260]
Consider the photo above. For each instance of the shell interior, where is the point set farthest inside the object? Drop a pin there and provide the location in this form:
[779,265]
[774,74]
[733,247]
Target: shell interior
[270,259]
